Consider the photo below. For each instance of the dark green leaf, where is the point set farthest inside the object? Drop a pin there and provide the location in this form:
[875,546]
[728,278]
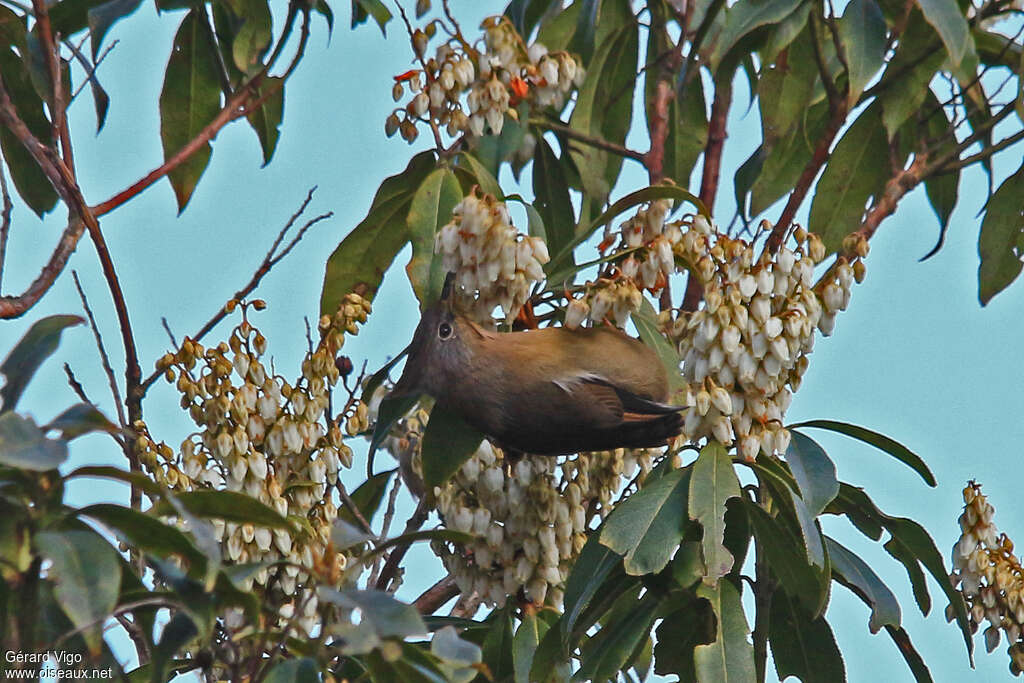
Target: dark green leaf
[814,471]
[785,32]
[627,626]
[374,8]
[136,479]
[908,75]
[1001,242]
[745,177]
[231,506]
[556,32]
[25,446]
[730,658]
[88,574]
[678,634]
[592,570]
[535,224]
[189,100]
[947,19]
[787,159]
[551,194]
[646,322]
[431,208]
[30,182]
[528,637]
[879,441]
[367,497]
[742,19]
[358,264]
[713,483]
[862,37]
[941,189]
[144,532]
[497,646]
[102,17]
[647,527]
[854,573]
[803,646]
[853,174]
[448,442]
[484,178]
[176,634]
[266,120]
[910,654]
[80,419]
[28,354]
[491,150]
[525,14]
[586,28]
[785,90]
[294,671]
[322,8]
[391,410]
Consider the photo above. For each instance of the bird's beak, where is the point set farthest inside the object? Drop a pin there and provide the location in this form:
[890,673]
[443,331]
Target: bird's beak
[409,382]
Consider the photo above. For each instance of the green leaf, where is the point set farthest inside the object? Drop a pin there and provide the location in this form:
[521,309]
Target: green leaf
[388,617]
[323,9]
[741,20]
[448,442]
[528,636]
[647,527]
[80,419]
[231,506]
[367,497]
[303,670]
[25,446]
[646,322]
[189,100]
[497,646]
[814,472]
[345,535]
[266,120]
[144,532]
[358,264]
[431,208]
[391,410]
[1001,242]
[854,173]
[941,189]
[484,178]
[910,654]
[879,441]
[535,224]
[713,483]
[854,573]
[951,25]
[102,17]
[136,479]
[551,194]
[908,75]
[803,646]
[785,90]
[785,32]
[253,38]
[786,160]
[491,150]
[28,354]
[730,658]
[626,628]
[595,567]
[176,634]
[862,37]
[374,8]
[87,572]
[31,184]
[781,546]
[678,634]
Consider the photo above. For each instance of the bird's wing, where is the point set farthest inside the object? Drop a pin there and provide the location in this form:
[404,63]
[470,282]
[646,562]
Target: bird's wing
[610,403]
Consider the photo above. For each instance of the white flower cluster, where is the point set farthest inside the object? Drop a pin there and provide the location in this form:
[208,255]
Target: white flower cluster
[494,265]
[493,82]
[647,244]
[989,576]
[530,519]
[745,349]
[261,435]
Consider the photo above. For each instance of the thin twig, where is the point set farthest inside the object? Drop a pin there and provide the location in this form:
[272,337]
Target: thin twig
[389,515]
[123,609]
[269,261]
[395,557]
[590,140]
[138,637]
[90,68]
[104,358]
[76,386]
[167,329]
[5,221]
[354,509]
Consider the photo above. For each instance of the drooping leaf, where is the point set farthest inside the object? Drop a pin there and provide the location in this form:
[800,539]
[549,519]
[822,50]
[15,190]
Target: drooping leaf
[374,8]
[879,441]
[484,178]
[814,472]
[25,446]
[951,25]
[31,183]
[497,645]
[713,483]
[741,20]
[551,194]
[730,657]
[265,120]
[136,479]
[854,173]
[910,654]
[625,628]
[1001,242]
[677,636]
[447,443]
[79,419]
[28,354]
[431,208]
[88,574]
[143,531]
[358,264]
[862,37]
[253,37]
[388,617]
[647,527]
[102,17]
[646,322]
[908,75]
[941,189]
[785,90]
[367,497]
[178,631]
[854,573]
[596,564]
[189,100]
[803,646]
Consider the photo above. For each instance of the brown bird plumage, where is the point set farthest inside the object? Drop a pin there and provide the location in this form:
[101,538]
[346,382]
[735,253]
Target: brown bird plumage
[546,392]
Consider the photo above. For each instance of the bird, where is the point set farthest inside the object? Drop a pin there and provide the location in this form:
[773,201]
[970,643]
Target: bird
[550,391]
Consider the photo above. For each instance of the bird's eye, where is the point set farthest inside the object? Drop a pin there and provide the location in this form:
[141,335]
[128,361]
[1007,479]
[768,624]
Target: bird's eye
[444,331]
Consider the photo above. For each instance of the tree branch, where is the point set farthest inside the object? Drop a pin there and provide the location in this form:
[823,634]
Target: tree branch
[5,222]
[590,140]
[395,557]
[436,596]
[57,108]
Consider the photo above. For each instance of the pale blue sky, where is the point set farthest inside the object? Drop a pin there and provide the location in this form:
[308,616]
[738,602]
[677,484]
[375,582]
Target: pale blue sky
[915,357]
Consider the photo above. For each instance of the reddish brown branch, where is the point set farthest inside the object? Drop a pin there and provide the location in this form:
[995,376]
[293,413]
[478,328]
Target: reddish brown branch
[436,596]
[5,221]
[897,186]
[57,107]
